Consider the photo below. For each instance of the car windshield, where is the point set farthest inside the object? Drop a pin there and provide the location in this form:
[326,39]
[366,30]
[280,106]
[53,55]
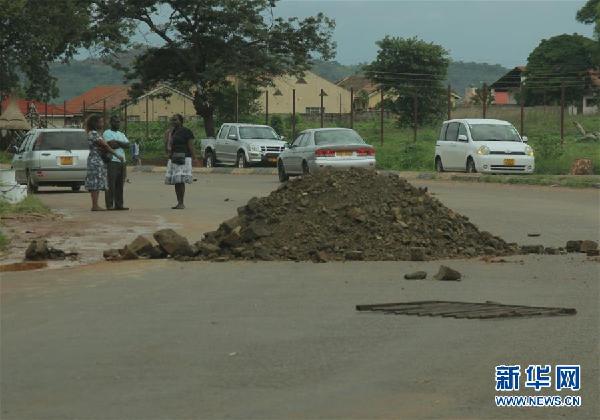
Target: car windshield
[266,133]
[494,132]
[333,137]
[62,140]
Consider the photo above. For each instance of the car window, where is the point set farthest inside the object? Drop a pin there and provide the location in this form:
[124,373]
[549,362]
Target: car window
[223,132]
[266,133]
[232,131]
[494,132]
[443,132]
[452,132]
[462,130]
[23,145]
[298,140]
[333,137]
[61,140]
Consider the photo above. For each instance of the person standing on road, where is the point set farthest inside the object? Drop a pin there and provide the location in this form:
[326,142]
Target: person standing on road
[117,168]
[181,155]
[95,179]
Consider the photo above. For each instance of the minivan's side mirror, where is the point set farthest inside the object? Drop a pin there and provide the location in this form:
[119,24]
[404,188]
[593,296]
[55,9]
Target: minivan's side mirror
[463,138]
[12,149]
[525,139]
[282,138]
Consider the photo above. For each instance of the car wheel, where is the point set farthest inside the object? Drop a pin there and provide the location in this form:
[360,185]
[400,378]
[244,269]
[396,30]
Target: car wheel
[241,160]
[209,160]
[438,164]
[281,172]
[32,187]
[305,168]
[471,166]
[76,187]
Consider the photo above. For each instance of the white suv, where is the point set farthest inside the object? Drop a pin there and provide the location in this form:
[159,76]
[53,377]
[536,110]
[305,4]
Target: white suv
[482,145]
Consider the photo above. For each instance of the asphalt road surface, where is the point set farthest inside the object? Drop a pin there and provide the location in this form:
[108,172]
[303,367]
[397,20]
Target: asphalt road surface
[162,339]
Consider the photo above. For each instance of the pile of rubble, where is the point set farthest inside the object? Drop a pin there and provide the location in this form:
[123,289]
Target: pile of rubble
[332,216]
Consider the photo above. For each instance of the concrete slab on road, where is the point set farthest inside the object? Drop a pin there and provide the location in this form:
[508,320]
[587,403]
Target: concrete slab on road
[162,339]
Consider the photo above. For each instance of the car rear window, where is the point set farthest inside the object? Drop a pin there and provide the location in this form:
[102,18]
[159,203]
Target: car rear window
[332,137]
[62,140]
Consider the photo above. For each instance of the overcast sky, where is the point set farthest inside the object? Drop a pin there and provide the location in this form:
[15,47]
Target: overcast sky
[502,32]
[487,31]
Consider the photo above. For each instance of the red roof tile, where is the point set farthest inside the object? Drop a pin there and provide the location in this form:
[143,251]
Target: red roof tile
[95,97]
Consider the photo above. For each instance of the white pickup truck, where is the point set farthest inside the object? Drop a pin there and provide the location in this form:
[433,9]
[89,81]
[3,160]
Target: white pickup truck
[242,145]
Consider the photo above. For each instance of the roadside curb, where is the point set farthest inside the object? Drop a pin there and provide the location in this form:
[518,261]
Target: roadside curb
[218,170]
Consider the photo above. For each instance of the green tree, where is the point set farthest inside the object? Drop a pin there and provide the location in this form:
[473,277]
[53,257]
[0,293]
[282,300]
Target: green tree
[590,14]
[409,67]
[208,43]
[563,59]
[34,34]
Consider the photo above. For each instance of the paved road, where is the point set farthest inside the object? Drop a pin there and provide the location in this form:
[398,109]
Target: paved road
[162,339]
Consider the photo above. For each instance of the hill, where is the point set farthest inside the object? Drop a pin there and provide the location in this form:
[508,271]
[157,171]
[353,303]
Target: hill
[79,76]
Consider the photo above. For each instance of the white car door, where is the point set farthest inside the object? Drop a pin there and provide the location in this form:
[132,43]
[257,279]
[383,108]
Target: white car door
[292,160]
[221,144]
[441,146]
[232,143]
[18,162]
[450,158]
[462,147]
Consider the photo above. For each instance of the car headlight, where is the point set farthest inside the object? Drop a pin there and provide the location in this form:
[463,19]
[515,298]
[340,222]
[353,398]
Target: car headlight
[483,150]
[529,150]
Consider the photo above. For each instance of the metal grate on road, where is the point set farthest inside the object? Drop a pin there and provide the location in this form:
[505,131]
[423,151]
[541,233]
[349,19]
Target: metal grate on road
[467,310]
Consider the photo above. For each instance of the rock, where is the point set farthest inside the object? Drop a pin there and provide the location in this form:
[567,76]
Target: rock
[156,253]
[222,258]
[582,167]
[354,256]
[112,255]
[253,231]
[573,246]
[232,240]
[532,249]
[417,254]
[320,257]
[263,254]
[39,250]
[586,246]
[206,249]
[447,274]
[357,214]
[593,252]
[141,246]
[173,243]
[231,224]
[128,254]
[417,275]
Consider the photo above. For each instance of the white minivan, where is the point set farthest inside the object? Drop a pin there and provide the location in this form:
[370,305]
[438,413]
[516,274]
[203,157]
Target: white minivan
[482,145]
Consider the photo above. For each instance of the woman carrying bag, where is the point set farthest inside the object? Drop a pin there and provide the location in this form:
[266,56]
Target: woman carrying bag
[181,156]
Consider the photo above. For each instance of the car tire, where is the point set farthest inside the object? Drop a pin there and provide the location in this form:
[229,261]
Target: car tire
[241,161]
[283,176]
[471,169]
[32,187]
[76,187]
[305,168]
[439,167]
[209,160]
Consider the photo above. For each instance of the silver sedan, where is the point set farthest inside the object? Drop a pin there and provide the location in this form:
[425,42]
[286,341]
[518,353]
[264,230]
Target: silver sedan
[324,147]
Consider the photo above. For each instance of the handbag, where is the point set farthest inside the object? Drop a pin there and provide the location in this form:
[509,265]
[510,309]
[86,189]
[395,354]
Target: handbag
[178,158]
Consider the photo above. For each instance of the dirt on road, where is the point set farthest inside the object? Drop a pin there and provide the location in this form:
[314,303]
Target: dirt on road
[349,215]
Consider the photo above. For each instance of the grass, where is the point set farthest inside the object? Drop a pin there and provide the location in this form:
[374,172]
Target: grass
[30,205]
[399,151]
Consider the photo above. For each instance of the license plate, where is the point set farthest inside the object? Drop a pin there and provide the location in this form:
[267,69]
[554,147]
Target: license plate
[509,162]
[66,160]
[343,153]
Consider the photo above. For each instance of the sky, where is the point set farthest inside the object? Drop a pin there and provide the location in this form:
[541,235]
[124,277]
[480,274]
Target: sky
[486,31]
[495,32]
